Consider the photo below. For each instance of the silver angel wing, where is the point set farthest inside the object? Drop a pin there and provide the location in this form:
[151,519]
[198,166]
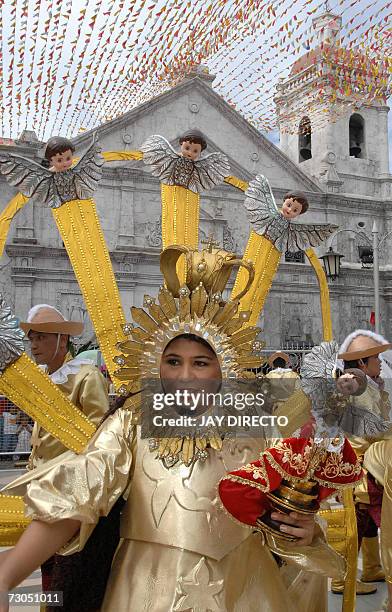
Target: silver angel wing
[160,156]
[209,171]
[88,172]
[30,178]
[360,421]
[317,370]
[301,236]
[333,412]
[11,336]
[261,206]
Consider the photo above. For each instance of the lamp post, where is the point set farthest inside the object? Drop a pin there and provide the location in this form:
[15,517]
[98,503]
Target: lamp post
[376,278]
[331,262]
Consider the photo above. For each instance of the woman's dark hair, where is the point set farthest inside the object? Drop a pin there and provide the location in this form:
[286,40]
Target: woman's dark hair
[279,362]
[120,401]
[194,137]
[191,338]
[56,145]
[299,197]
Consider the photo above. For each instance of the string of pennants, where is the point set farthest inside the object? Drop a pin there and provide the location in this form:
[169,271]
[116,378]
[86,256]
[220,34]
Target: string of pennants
[70,65]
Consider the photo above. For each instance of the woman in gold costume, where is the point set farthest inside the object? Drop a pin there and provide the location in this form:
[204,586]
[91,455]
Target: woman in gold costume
[180,549]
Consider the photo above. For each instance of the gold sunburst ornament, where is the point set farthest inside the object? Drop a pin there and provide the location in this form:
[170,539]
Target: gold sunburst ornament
[198,308]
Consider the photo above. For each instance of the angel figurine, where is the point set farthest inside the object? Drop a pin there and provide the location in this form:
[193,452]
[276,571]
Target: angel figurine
[60,182]
[186,168]
[277,225]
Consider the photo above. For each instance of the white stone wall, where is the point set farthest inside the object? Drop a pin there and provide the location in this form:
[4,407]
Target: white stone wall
[128,202]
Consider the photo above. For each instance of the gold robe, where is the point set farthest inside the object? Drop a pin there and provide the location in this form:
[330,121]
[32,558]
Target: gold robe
[180,549]
[88,390]
[377,459]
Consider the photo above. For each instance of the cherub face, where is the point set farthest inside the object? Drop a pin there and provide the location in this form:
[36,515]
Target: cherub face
[61,161]
[347,384]
[190,150]
[291,208]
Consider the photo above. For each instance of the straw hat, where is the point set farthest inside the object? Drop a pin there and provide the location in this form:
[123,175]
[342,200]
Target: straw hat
[278,354]
[47,319]
[363,343]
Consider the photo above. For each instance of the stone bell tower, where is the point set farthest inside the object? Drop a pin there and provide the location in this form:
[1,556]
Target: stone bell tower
[328,122]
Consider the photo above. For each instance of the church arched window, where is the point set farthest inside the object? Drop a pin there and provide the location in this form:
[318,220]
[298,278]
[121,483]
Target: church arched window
[305,139]
[357,136]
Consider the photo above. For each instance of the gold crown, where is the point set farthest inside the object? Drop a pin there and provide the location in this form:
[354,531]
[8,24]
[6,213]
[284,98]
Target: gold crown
[196,308]
[211,266]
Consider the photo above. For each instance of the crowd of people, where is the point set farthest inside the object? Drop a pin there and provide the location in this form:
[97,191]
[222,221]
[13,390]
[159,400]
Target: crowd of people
[15,431]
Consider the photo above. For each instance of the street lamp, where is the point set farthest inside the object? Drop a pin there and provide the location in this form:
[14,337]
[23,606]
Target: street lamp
[368,255]
[331,261]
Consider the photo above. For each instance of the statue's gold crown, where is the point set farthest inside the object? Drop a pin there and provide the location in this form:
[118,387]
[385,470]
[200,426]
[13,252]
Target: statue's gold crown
[211,266]
[196,307]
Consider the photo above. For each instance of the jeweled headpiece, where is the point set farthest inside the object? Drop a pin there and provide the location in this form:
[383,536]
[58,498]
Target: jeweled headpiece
[197,307]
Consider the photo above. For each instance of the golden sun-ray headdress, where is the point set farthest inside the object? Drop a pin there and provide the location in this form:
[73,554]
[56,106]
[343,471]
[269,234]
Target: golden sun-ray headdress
[197,307]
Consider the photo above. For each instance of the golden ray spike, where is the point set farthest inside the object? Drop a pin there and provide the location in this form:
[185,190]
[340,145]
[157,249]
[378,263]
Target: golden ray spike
[130,347]
[188,449]
[201,443]
[128,373]
[244,348]
[227,312]
[134,386]
[139,334]
[155,311]
[215,442]
[143,319]
[167,303]
[175,446]
[199,300]
[211,309]
[244,335]
[164,448]
[184,307]
[250,361]
[235,324]
[131,360]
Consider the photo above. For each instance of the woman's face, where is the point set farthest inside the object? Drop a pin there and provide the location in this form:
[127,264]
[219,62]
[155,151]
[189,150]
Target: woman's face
[190,365]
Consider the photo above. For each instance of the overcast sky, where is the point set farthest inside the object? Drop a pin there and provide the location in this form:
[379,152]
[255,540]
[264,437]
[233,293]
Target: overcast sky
[70,65]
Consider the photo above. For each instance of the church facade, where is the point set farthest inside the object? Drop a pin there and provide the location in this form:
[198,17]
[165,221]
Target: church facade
[342,188]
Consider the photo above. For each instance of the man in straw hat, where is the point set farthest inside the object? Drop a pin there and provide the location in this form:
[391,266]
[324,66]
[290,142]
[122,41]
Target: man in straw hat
[49,333]
[361,349]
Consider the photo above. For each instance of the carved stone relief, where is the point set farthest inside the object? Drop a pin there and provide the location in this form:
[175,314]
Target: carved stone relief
[72,306]
[296,324]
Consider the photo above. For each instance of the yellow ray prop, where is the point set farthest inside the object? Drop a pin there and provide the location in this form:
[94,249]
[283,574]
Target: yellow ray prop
[180,220]
[81,231]
[13,521]
[12,208]
[324,294]
[29,388]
